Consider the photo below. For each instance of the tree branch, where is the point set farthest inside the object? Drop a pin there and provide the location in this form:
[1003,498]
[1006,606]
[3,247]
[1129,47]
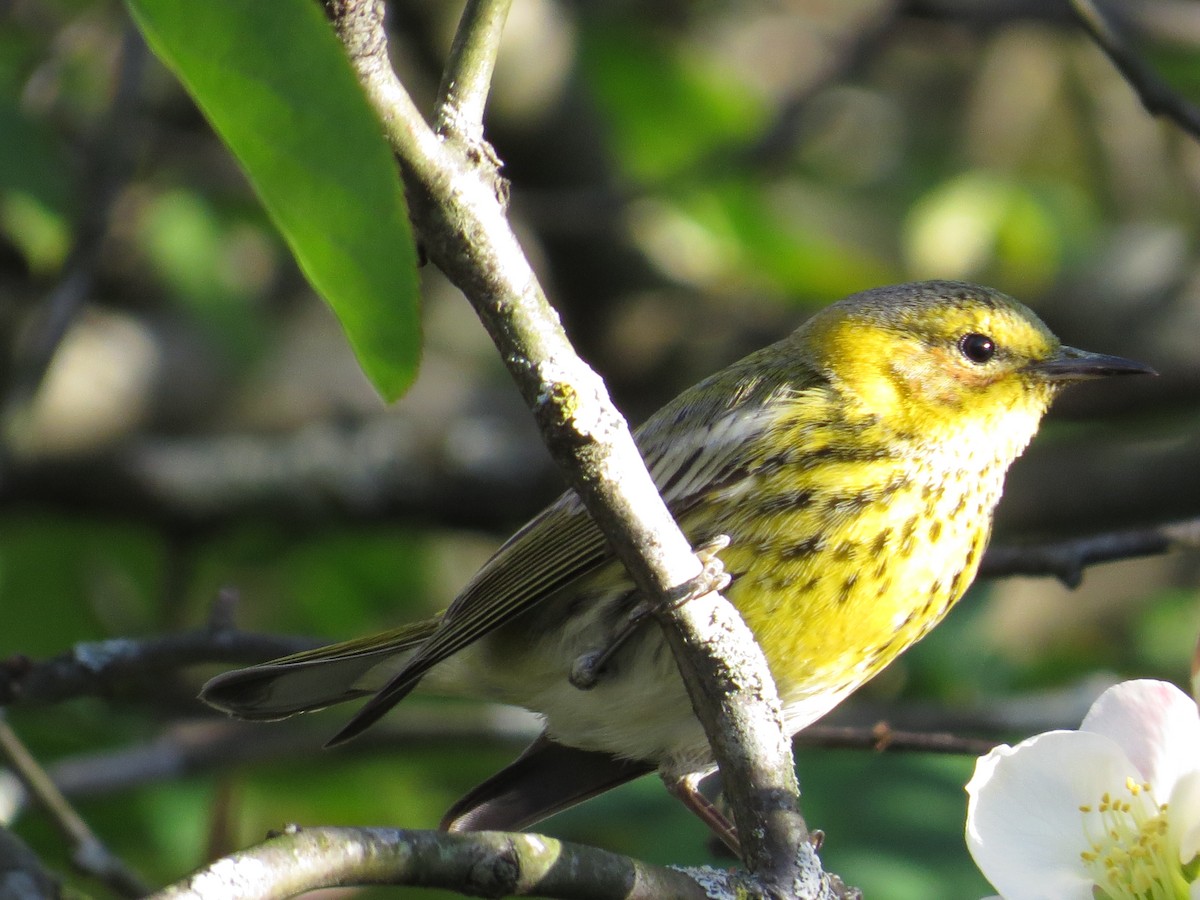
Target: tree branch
[1159,98]
[1066,560]
[97,668]
[882,737]
[465,231]
[488,864]
[359,25]
[188,748]
[468,74]
[88,852]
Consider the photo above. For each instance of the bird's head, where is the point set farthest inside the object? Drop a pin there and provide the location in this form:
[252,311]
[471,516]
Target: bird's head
[933,353]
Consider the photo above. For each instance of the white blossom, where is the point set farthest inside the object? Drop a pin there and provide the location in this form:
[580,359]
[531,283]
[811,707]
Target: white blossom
[1108,812]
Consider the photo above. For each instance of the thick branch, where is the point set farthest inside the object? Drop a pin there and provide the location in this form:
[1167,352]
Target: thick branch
[465,231]
[488,864]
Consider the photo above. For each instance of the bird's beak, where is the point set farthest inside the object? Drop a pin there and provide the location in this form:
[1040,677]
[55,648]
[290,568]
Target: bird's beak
[1069,364]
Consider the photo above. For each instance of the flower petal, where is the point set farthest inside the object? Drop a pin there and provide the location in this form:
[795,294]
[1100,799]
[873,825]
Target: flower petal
[1184,815]
[1024,827]
[1157,726]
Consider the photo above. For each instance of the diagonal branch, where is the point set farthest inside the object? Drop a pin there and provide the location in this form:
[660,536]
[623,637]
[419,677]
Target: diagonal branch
[88,852]
[1159,98]
[465,231]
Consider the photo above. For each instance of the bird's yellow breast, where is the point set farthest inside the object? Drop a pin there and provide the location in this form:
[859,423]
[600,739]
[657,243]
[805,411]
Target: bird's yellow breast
[873,537]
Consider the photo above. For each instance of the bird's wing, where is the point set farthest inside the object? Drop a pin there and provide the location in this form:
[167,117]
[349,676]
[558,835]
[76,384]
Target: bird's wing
[564,544]
[555,549]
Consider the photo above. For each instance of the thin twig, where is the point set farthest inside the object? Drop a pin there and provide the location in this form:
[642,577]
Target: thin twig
[882,737]
[464,230]
[191,748]
[88,852]
[1159,98]
[467,79]
[486,864]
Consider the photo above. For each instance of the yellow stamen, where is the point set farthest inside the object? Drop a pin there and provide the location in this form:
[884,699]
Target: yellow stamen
[1131,852]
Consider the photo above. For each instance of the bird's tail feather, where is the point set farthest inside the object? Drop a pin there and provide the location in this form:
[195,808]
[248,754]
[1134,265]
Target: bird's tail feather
[314,679]
[547,778]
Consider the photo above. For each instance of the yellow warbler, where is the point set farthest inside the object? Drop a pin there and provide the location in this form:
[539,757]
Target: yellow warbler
[854,467]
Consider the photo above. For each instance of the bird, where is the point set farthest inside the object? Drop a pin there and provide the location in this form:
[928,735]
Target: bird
[845,478]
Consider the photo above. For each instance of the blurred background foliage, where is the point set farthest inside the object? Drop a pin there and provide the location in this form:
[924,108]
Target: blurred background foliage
[690,180]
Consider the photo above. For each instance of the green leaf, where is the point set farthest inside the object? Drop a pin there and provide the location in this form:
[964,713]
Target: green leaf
[277,87]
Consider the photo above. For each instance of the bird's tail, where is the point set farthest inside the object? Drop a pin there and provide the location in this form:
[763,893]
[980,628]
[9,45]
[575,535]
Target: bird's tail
[315,679]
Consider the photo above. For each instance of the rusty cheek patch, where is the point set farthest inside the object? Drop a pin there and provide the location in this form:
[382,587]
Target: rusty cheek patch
[941,376]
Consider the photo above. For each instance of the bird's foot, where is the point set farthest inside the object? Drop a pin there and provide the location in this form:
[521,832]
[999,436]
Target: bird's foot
[588,668]
[711,577]
[687,790]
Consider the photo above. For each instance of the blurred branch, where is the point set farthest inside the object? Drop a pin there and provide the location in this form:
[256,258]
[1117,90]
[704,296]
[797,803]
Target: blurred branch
[215,744]
[108,165]
[882,737]
[330,473]
[96,669]
[1161,20]
[458,207]
[488,864]
[389,466]
[191,748]
[88,852]
[1159,98]
[105,667]
[1066,560]
[22,874]
[405,465]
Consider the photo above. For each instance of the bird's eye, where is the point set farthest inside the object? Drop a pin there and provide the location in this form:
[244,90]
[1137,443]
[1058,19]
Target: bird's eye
[978,348]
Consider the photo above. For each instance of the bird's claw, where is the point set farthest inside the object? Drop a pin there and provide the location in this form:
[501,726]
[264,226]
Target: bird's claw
[711,577]
[588,668]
